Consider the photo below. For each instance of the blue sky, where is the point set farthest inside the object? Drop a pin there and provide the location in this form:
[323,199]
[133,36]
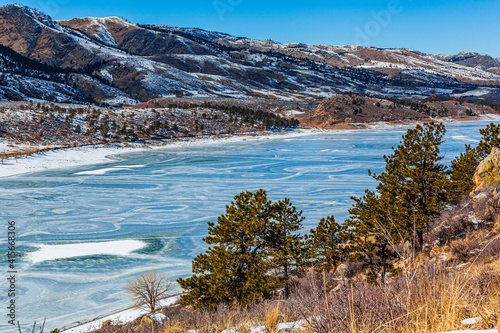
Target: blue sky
[441,26]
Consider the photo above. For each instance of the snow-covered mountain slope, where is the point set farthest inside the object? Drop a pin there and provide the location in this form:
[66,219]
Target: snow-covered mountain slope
[109,60]
[389,61]
[472,59]
[23,79]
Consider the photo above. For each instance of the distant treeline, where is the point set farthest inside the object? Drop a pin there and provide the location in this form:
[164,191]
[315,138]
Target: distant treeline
[268,119]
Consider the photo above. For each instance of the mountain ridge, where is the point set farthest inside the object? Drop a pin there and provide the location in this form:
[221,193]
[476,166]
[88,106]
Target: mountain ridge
[111,61]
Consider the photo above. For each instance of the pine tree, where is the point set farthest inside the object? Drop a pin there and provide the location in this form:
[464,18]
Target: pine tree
[464,166]
[462,171]
[326,245]
[234,269]
[372,233]
[414,180]
[490,137]
[286,249]
[104,127]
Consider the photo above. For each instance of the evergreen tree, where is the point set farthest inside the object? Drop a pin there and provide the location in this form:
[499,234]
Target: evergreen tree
[235,269]
[104,127]
[372,233]
[463,168]
[287,250]
[414,181]
[326,245]
[490,137]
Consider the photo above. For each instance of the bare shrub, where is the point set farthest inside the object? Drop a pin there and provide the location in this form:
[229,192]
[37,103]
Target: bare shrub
[463,249]
[350,269]
[352,306]
[489,249]
[430,298]
[148,289]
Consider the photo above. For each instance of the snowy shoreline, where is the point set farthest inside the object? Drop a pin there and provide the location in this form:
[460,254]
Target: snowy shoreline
[119,317]
[92,155]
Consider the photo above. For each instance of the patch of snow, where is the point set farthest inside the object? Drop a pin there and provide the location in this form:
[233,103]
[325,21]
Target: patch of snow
[259,329]
[120,317]
[292,326]
[48,252]
[107,170]
[476,92]
[476,220]
[382,64]
[159,317]
[293,112]
[105,36]
[107,75]
[471,321]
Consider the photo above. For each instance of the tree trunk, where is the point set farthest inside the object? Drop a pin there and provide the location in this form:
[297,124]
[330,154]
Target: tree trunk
[420,235]
[287,287]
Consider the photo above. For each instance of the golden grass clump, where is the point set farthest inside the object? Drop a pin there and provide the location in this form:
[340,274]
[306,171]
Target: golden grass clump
[273,317]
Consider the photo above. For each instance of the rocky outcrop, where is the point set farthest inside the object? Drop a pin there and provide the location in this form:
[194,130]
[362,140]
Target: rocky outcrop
[486,193]
[488,172]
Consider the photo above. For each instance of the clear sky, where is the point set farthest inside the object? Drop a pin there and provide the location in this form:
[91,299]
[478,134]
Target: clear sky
[438,26]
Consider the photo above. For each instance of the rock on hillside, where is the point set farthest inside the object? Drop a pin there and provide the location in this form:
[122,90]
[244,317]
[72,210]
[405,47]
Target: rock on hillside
[488,171]
[485,196]
[470,231]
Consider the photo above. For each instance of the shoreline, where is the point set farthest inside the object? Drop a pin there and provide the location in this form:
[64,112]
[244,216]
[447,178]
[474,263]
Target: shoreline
[61,158]
[117,317]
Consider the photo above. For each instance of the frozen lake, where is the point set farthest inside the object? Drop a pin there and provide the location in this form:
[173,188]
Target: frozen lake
[84,231]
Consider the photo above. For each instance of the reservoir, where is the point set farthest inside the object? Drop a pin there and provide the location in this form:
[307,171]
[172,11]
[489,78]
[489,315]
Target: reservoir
[82,232]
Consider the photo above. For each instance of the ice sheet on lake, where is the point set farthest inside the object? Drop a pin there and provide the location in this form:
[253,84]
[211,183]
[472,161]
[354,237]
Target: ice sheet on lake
[106,170]
[47,252]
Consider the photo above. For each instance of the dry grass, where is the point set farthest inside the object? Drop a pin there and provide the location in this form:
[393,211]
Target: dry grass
[273,317]
[426,296]
[431,298]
